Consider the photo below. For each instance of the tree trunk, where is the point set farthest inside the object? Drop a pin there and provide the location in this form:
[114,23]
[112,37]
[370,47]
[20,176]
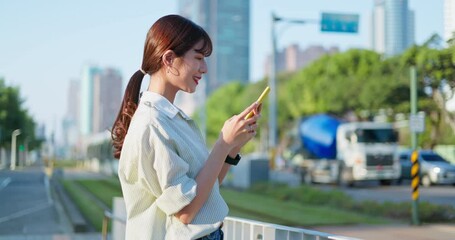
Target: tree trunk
[440,101]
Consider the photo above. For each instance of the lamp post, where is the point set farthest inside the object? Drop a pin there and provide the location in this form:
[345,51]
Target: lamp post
[14,135]
[272,82]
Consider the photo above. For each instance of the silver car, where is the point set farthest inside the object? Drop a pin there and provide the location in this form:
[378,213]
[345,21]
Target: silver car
[434,169]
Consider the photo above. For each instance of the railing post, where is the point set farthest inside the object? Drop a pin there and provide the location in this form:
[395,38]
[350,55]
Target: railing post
[104,227]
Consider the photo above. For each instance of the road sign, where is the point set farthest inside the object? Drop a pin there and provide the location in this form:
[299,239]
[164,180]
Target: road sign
[336,22]
[417,122]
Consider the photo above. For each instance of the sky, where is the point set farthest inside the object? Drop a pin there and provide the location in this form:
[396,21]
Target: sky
[45,44]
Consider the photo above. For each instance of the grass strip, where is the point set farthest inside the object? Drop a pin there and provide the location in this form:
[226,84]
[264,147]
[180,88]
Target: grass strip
[260,207]
[92,212]
[104,190]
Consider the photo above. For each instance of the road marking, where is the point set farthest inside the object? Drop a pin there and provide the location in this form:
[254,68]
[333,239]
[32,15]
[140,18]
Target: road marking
[48,191]
[25,212]
[5,183]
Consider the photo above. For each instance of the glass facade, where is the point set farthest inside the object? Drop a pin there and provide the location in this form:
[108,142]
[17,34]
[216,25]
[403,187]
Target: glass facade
[86,112]
[393,26]
[399,23]
[228,24]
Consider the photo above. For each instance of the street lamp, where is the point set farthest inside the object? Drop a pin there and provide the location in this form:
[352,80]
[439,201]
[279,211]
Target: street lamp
[14,135]
[272,80]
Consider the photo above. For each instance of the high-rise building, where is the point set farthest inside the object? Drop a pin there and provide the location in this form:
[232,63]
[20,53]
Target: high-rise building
[89,73]
[73,101]
[100,98]
[392,27]
[228,25]
[107,99]
[71,121]
[449,19]
[292,58]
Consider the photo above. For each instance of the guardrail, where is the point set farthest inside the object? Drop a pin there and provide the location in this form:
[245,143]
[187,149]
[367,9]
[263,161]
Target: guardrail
[109,216]
[234,228]
[246,229]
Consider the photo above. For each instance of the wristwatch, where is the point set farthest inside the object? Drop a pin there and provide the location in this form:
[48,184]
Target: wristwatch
[233,161]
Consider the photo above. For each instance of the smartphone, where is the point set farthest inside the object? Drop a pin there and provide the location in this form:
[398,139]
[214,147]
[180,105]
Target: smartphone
[263,95]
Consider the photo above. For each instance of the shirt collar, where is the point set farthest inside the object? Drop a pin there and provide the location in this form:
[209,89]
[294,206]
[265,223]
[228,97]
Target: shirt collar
[162,104]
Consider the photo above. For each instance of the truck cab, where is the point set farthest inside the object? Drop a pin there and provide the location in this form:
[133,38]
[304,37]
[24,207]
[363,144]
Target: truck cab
[368,151]
[328,150]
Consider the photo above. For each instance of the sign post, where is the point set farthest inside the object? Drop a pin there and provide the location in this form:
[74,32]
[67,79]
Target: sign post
[416,125]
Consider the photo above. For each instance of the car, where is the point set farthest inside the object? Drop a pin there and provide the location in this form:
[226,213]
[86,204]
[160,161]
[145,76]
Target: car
[434,169]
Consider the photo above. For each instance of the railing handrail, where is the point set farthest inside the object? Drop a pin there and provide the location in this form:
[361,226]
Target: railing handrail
[109,216]
[288,229]
[231,223]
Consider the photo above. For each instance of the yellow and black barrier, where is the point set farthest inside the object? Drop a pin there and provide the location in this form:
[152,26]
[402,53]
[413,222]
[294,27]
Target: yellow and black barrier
[415,187]
[415,175]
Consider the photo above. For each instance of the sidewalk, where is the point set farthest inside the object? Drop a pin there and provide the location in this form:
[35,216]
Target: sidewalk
[79,236]
[402,232]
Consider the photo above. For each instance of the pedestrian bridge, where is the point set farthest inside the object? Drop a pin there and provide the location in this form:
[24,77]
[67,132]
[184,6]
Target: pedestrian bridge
[234,228]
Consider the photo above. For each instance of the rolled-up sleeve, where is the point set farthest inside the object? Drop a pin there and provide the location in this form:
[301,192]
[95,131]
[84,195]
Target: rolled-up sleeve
[177,188]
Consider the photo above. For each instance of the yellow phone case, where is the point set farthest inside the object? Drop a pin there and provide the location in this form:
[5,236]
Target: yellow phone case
[263,95]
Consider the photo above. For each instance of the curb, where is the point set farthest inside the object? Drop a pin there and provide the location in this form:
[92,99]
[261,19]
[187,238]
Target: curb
[78,222]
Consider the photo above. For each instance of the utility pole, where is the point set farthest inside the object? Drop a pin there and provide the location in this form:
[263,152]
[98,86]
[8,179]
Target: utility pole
[330,22]
[414,123]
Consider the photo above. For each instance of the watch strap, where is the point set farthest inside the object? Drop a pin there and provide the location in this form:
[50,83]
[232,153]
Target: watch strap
[233,161]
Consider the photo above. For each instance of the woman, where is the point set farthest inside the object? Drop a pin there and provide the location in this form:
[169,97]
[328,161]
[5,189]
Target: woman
[170,182]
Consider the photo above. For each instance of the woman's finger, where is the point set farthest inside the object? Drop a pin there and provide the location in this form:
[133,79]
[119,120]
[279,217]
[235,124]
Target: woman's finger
[248,110]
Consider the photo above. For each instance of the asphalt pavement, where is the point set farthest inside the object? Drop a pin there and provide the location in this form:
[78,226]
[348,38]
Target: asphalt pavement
[394,232]
[29,211]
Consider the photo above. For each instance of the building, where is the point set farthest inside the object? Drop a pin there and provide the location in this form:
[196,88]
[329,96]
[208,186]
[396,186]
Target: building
[449,19]
[89,73]
[228,24]
[392,27]
[100,98]
[70,122]
[107,99]
[292,58]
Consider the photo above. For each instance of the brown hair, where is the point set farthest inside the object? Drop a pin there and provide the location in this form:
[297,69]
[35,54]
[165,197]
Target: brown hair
[171,32]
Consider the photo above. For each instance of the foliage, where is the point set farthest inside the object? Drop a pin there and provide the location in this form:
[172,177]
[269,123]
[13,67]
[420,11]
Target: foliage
[92,212]
[291,213]
[356,81]
[14,116]
[307,195]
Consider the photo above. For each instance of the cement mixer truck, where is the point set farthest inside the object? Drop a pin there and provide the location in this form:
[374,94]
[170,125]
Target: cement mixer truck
[328,150]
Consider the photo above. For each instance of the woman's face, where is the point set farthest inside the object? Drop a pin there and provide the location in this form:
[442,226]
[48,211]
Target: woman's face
[187,70]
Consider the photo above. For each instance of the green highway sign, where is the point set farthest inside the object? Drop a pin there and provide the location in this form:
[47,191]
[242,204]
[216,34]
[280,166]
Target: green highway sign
[336,22]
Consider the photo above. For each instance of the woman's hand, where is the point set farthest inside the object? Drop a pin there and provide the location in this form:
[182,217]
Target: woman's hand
[237,130]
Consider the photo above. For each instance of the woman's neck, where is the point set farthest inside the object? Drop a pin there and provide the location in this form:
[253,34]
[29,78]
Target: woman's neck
[159,85]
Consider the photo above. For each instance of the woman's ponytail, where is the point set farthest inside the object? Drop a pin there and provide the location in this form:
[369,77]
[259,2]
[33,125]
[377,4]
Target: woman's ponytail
[127,109]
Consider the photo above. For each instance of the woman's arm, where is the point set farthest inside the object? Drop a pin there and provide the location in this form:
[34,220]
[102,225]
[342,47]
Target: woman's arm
[232,134]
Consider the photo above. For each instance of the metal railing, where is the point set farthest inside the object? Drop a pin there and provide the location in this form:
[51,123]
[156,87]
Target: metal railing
[234,228]
[109,216]
[246,229]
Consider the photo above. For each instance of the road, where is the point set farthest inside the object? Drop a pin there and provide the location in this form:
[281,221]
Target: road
[440,195]
[27,206]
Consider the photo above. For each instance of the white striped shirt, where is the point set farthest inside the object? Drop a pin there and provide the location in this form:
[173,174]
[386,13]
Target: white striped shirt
[161,156]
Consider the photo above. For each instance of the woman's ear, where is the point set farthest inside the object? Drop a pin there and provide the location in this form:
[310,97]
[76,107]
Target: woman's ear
[168,58]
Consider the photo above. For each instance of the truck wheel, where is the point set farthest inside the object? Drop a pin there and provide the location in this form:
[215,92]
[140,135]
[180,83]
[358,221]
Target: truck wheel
[307,178]
[385,182]
[343,177]
[426,181]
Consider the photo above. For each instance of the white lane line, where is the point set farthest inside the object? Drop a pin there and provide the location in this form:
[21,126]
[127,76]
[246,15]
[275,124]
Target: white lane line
[48,190]
[5,183]
[25,212]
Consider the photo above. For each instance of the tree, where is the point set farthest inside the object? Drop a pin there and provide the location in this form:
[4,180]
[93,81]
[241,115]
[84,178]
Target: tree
[436,76]
[14,116]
